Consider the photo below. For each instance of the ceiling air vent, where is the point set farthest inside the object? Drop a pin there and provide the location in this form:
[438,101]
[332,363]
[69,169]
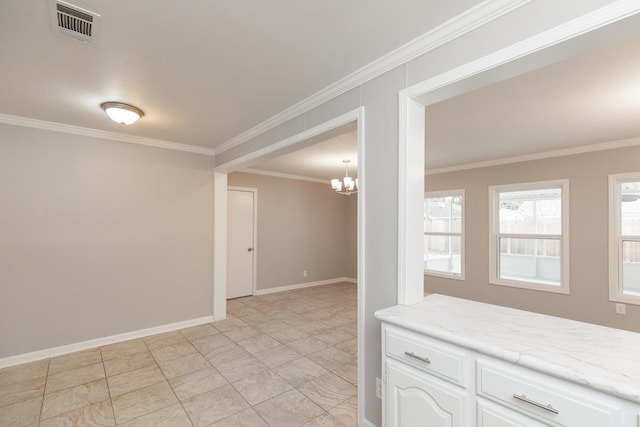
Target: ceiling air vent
[73,21]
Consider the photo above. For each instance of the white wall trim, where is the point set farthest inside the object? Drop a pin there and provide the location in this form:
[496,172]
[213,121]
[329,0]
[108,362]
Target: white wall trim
[610,145]
[304,285]
[219,245]
[361,270]
[102,134]
[411,139]
[366,423]
[591,21]
[284,175]
[242,161]
[84,345]
[467,21]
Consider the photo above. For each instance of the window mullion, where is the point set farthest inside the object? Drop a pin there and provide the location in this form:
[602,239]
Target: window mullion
[530,236]
[441,233]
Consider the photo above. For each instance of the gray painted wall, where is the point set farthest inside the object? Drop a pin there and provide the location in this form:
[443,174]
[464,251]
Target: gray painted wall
[379,182]
[99,238]
[105,237]
[588,300]
[302,225]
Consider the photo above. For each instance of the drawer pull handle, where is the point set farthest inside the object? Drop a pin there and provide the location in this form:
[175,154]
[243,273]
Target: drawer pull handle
[415,356]
[534,403]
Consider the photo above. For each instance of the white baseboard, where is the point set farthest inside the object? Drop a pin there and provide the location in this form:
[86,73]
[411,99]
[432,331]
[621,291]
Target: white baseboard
[366,423]
[84,345]
[304,285]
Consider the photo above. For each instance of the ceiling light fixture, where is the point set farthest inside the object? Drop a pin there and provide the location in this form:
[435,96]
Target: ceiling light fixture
[122,113]
[345,185]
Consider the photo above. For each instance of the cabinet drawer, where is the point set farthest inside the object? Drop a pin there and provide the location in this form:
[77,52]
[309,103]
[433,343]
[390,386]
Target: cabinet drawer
[492,415]
[545,398]
[427,355]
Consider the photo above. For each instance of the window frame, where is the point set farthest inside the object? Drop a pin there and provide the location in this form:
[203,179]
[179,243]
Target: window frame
[494,235]
[448,193]
[616,291]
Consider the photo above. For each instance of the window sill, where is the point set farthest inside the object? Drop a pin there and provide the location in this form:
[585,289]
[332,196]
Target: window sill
[444,275]
[533,286]
[625,298]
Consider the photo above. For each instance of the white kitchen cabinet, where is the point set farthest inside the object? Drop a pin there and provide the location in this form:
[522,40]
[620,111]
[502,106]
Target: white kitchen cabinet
[452,362]
[544,398]
[419,399]
[492,415]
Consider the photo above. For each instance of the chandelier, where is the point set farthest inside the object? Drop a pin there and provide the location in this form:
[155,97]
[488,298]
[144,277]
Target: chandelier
[345,185]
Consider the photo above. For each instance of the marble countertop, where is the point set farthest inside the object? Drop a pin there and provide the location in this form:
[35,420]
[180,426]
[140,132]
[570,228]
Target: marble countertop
[598,357]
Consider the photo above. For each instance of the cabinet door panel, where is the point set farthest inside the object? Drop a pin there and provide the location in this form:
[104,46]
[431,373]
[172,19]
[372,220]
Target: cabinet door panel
[417,399]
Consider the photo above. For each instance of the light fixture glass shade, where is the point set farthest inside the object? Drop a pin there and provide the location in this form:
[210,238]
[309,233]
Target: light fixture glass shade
[345,185]
[122,113]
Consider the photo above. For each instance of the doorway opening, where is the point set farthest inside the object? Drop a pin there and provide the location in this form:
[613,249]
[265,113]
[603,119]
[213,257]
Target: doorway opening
[321,294]
[596,29]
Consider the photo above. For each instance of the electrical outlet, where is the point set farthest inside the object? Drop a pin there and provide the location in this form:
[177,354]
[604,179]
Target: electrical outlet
[621,309]
[378,388]
[304,273]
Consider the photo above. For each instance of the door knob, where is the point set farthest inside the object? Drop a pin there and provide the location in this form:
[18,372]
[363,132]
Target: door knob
[250,249]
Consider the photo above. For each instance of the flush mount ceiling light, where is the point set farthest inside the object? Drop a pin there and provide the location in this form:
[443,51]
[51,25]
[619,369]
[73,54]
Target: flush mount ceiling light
[122,113]
[345,185]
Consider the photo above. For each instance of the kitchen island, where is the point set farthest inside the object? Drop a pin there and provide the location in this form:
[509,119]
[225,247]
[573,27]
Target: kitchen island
[454,362]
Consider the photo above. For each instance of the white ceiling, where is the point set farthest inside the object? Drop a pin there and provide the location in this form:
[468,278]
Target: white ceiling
[322,160]
[202,71]
[588,99]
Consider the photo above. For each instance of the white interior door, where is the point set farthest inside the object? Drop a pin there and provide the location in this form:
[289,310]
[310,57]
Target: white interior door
[240,242]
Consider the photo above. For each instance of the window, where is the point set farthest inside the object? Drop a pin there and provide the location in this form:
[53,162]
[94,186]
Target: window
[624,238]
[443,234]
[529,230]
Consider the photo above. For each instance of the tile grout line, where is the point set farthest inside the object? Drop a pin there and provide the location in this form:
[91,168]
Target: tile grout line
[259,308]
[270,369]
[106,380]
[227,380]
[44,390]
[167,379]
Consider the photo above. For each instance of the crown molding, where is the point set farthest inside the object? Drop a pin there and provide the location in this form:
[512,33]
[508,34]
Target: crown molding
[611,145]
[598,18]
[467,21]
[102,134]
[284,175]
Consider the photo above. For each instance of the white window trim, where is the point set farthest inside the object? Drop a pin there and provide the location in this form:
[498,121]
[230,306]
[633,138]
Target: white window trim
[616,293]
[443,193]
[494,278]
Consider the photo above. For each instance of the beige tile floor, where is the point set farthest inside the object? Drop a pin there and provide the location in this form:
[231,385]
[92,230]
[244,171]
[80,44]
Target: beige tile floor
[282,359]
